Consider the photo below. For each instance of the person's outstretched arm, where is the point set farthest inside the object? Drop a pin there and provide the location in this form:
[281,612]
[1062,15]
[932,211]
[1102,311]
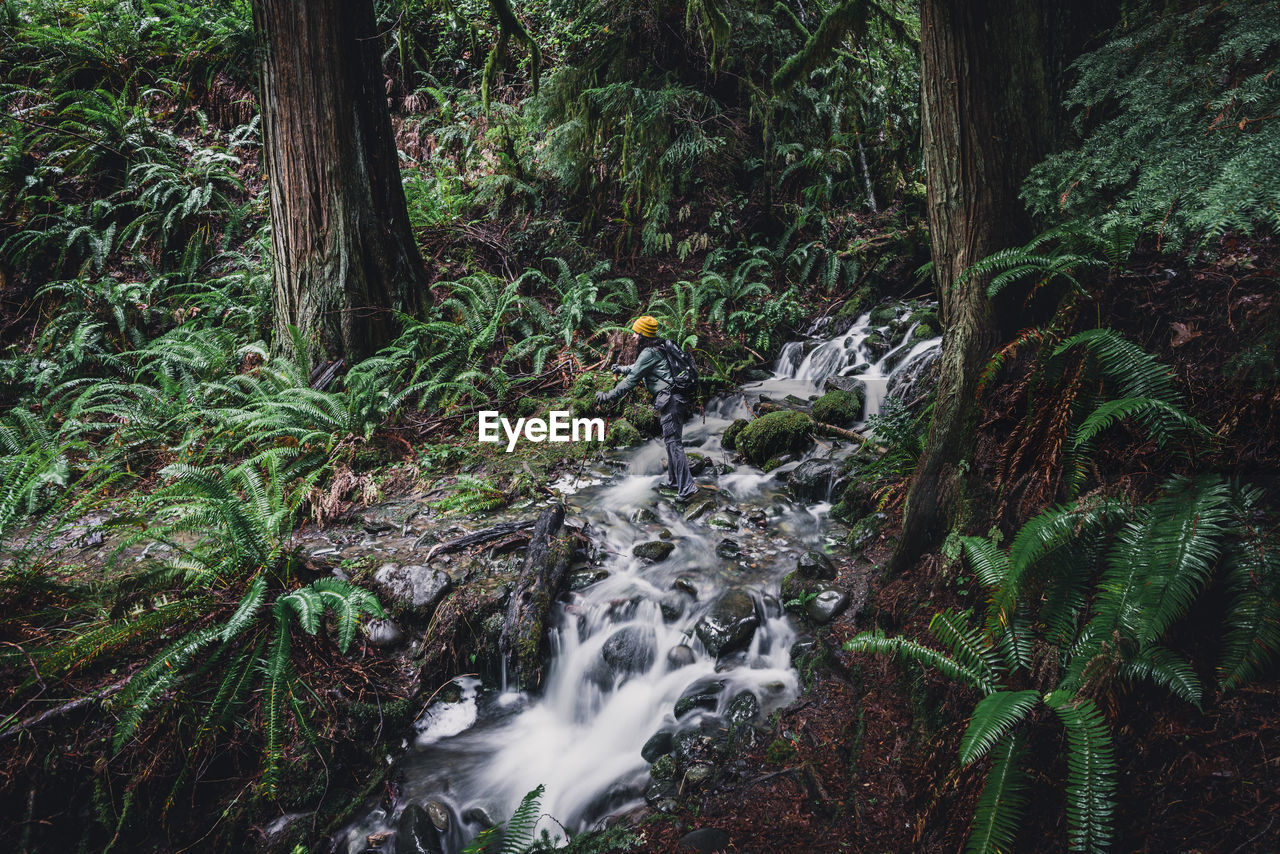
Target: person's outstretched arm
[631,374]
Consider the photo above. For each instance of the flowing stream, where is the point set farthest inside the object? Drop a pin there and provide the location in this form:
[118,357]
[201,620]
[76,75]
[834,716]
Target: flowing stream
[627,648]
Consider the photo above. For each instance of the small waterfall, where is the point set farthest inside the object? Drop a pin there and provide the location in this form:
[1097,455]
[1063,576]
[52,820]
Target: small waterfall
[626,648]
[864,355]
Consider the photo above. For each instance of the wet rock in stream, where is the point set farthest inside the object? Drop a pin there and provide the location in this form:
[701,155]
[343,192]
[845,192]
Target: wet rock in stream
[827,605]
[729,624]
[654,550]
[658,745]
[415,834]
[630,650]
[703,694]
[815,480]
[680,656]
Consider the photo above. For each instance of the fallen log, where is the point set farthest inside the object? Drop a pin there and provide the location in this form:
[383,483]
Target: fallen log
[524,637]
[825,429]
[502,529]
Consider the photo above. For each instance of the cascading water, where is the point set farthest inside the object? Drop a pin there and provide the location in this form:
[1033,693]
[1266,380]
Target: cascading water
[628,648]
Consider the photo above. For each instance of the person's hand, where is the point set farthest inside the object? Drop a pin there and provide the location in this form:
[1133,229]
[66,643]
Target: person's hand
[619,369]
[602,397]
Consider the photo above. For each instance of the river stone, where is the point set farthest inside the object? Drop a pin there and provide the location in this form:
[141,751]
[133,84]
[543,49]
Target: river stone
[631,649]
[644,516]
[415,587]
[586,577]
[672,609]
[680,656]
[439,815]
[813,480]
[702,694]
[697,464]
[697,772]
[704,840]
[658,745]
[415,834]
[729,624]
[478,815]
[663,768]
[728,548]
[827,605]
[814,564]
[654,550]
[847,383]
[699,508]
[685,585]
[383,633]
[723,521]
[743,709]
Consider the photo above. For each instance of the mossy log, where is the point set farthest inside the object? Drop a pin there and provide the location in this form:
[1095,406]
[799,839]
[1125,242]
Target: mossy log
[523,638]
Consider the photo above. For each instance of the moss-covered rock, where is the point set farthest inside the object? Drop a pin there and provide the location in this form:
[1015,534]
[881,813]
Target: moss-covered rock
[839,407]
[730,438]
[775,434]
[854,305]
[623,435]
[882,315]
[644,418]
[924,331]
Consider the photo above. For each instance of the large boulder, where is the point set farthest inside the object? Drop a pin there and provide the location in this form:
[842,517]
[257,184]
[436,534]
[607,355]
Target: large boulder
[840,407]
[730,437]
[411,588]
[415,834]
[730,623]
[827,605]
[814,480]
[630,650]
[774,434]
[815,564]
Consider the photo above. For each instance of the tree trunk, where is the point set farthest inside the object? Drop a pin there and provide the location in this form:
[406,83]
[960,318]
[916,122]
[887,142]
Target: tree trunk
[986,121]
[344,256]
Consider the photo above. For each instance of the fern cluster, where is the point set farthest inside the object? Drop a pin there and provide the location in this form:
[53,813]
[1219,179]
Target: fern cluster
[1101,584]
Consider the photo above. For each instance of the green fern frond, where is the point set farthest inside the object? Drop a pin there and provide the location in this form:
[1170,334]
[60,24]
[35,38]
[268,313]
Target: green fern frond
[1091,772]
[1003,801]
[908,650]
[992,720]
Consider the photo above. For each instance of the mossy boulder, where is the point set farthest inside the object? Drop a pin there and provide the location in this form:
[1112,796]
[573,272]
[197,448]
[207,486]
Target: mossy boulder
[623,435]
[839,407]
[883,315]
[775,434]
[730,438]
[644,418]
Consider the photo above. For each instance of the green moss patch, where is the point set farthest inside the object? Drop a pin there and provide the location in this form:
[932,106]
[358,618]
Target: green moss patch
[839,407]
[775,434]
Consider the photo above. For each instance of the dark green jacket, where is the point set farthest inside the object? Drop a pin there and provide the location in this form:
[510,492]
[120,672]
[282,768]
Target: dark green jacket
[651,367]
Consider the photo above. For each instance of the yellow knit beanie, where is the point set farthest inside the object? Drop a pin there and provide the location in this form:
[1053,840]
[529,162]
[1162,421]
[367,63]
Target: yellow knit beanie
[646,326]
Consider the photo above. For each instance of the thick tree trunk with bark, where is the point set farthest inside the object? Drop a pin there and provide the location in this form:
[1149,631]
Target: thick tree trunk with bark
[986,121]
[345,259]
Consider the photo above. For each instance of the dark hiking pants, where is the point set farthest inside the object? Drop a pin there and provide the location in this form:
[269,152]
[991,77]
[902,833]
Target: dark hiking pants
[673,409]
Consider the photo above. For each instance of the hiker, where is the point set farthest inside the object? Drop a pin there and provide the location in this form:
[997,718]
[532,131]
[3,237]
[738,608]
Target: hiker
[664,367]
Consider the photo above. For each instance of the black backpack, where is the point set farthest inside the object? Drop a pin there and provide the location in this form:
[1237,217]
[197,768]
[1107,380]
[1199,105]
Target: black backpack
[684,373]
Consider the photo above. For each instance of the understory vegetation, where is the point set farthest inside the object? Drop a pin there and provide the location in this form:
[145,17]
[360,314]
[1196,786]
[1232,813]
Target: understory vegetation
[178,673]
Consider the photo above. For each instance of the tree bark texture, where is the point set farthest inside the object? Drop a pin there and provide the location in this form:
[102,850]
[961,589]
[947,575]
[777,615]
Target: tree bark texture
[344,256]
[986,120]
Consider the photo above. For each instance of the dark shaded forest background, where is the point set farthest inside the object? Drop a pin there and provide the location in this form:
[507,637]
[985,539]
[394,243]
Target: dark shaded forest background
[1072,638]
